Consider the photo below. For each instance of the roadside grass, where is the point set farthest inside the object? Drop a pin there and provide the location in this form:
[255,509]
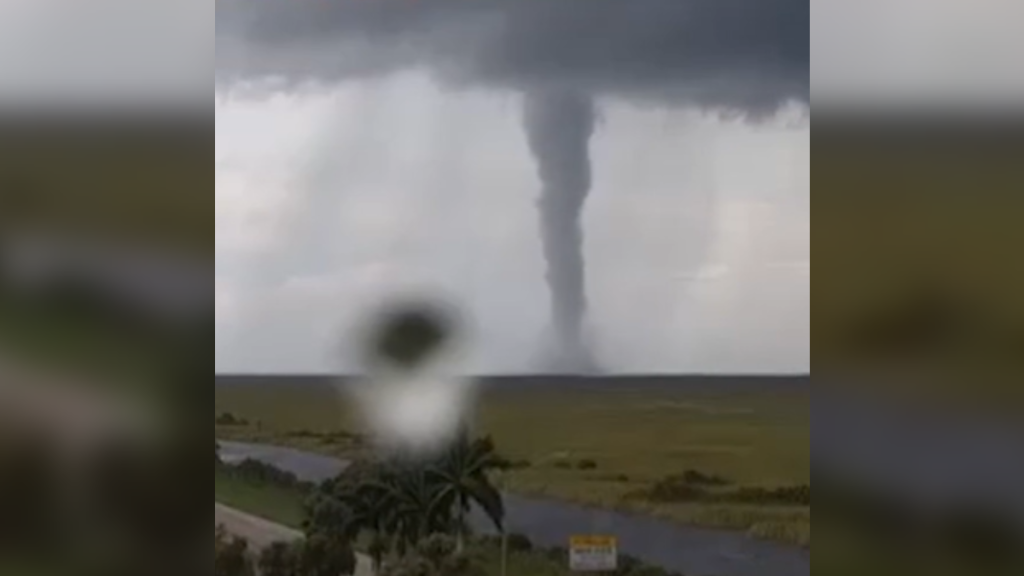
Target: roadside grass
[599,448]
[844,553]
[277,504]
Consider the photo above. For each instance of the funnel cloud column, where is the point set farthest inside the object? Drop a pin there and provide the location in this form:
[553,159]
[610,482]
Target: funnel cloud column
[559,126]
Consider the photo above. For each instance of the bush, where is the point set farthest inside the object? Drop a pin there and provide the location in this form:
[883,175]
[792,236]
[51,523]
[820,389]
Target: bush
[434,556]
[785,496]
[980,534]
[280,559]
[558,554]
[260,472]
[675,489]
[229,419]
[231,556]
[698,478]
[320,555]
[506,464]
[695,487]
[29,493]
[519,543]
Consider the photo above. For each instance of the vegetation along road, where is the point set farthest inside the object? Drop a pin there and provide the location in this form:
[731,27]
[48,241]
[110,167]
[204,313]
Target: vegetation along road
[261,533]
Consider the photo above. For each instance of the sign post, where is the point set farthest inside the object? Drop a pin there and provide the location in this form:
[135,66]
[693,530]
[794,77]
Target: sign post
[593,554]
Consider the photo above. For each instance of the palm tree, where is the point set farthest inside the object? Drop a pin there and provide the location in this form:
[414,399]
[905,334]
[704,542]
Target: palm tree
[462,479]
[346,510]
[368,511]
[411,498]
[404,501]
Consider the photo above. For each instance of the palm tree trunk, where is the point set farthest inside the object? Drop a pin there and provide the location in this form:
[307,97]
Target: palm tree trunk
[460,529]
[377,546]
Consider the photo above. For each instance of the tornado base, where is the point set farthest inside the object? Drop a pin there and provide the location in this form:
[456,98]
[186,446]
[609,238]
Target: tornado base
[570,360]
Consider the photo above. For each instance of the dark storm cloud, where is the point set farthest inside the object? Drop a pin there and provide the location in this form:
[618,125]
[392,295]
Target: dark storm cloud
[748,55]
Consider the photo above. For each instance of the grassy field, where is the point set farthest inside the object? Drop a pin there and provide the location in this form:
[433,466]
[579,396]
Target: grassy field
[280,505]
[40,335]
[893,221]
[598,447]
[144,184]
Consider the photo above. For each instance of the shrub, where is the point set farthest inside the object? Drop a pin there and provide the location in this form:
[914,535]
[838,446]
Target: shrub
[786,495]
[260,472]
[434,556]
[675,489]
[698,478]
[279,559]
[519,543]
[320,555]
[229,419]
[978,534]
[231,556]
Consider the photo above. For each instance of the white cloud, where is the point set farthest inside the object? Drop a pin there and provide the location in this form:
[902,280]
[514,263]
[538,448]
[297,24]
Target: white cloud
[412,187]
[867,51]
[917,52]
[105,51]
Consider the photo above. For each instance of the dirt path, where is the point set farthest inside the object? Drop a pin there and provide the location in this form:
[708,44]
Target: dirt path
[261,533]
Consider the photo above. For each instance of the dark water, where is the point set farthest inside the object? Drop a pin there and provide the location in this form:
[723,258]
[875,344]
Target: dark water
[694,551]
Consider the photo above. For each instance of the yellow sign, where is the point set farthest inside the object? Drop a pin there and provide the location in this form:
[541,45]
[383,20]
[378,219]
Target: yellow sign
[593,542]
[593,553]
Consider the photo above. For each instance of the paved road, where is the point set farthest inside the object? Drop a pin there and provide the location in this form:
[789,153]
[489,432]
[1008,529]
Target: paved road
[261,533]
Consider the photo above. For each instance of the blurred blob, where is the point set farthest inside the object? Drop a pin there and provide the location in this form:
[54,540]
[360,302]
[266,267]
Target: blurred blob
[413,396]
[409,335]
[868,527]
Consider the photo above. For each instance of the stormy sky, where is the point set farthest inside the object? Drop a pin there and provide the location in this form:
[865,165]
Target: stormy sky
[877,51]
[420,132]
[734,53]
[399,121]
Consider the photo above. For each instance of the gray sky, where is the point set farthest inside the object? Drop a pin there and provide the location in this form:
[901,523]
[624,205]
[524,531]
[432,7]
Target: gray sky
[398,122]
[413,173]
[697,230]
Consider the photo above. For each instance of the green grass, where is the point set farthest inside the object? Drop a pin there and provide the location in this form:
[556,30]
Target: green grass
[147,186]
[280,505]
[40,336]
[635,437]
[889,218]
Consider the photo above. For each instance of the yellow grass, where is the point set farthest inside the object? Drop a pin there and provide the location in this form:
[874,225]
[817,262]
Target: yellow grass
[635,437]
[888,219]
[141,186]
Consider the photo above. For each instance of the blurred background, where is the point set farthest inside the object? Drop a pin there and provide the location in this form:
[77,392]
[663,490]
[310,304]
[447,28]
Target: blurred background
[916,435]
[105,311]
[698,242]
